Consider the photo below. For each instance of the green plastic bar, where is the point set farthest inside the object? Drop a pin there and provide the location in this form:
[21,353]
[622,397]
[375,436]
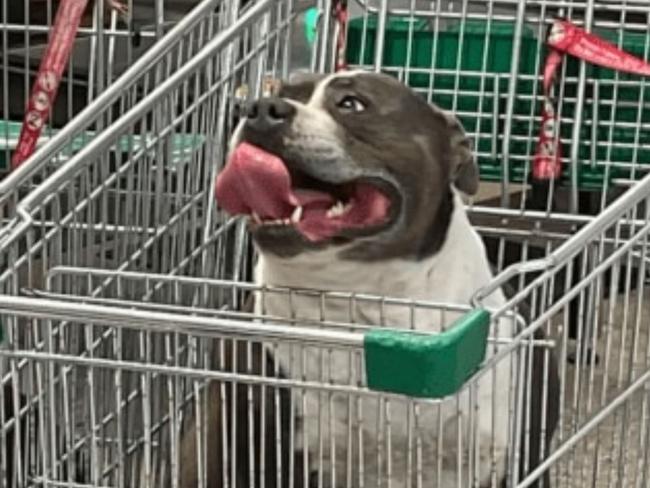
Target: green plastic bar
[426,366]
[182,145]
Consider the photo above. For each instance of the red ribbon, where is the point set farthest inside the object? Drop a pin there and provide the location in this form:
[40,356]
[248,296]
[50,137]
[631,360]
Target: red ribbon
[341,14]
[566,38]
[59,48]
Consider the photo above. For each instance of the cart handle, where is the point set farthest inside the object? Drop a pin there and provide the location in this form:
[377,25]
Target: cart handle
[427,366]
[402,362]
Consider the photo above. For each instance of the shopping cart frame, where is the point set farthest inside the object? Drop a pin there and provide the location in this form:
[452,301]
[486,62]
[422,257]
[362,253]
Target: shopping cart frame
[623,226]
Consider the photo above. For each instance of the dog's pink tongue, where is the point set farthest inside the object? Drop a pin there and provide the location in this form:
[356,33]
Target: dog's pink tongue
[257,181]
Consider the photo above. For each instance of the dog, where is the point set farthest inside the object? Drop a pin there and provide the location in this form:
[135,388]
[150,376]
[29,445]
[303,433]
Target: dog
[352,182]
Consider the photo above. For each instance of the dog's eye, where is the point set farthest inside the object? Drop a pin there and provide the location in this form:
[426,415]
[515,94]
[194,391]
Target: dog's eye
[351,104]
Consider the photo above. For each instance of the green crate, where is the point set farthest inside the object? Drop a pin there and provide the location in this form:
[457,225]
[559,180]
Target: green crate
[479,47]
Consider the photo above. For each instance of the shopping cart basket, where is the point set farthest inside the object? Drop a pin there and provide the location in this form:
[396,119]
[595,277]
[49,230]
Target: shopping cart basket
[130,360]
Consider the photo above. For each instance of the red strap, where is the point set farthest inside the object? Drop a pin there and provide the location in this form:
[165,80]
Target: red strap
[547,163]
[59,48]
[341,14]
[566,38]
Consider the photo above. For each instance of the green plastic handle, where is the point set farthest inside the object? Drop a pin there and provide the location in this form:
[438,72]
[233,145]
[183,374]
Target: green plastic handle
[427,366]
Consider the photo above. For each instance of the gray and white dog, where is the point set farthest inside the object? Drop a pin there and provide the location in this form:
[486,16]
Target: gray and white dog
[352,182]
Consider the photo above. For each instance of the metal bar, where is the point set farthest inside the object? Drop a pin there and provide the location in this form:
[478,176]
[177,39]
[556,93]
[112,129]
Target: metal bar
[510,106]
[247,286]
[176,371]
[164,322]
[365,5]
[381,32]
[86,31]
[578,116]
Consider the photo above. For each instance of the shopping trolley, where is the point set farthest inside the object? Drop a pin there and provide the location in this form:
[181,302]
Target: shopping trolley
[130,357]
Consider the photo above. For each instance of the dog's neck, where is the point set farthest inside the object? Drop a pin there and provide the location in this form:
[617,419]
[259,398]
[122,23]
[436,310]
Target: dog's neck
[451,276]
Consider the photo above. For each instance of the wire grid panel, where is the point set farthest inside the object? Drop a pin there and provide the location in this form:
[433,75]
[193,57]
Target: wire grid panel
[146,404]
[483,60]
[114,64]
[106,45]
[134,198]
[593,299]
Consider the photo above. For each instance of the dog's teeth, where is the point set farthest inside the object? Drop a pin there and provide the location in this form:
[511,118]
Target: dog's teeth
[256,218]
[296,215]
[286,221]
[336,210]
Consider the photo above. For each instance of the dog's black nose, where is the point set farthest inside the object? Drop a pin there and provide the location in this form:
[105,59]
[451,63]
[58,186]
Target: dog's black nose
[269,113]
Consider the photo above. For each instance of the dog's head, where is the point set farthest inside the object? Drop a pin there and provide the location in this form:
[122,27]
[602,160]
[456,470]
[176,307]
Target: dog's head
[354,160]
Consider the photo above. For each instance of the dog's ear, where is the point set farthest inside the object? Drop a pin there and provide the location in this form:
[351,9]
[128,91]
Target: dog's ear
[464,170]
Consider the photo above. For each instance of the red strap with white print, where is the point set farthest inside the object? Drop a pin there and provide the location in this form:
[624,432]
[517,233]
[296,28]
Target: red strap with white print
[62,36]
[341,14]
[566,38]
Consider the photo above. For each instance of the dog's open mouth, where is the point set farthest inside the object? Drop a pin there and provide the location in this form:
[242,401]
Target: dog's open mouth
[259,184]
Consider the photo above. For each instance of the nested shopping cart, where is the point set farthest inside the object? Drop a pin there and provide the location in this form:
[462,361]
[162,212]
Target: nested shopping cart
[130,357]
[115,61]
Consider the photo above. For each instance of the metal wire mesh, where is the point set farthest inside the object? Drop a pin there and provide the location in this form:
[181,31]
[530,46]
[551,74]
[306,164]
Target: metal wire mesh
[112,67]
[132,361]
[594,301]
[229,383]
[143,203]
[151,339]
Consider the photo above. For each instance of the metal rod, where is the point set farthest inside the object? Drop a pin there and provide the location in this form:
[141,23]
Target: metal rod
[165,322]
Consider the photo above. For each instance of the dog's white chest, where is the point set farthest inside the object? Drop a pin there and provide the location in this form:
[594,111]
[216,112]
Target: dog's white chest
[345,432]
